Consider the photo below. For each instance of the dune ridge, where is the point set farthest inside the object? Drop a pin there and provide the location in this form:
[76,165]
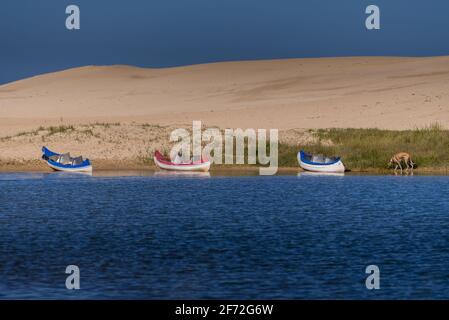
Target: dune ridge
[383,92]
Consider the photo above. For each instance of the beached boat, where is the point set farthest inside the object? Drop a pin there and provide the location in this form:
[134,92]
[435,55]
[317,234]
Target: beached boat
[317,163]
[166,164]
[64,162]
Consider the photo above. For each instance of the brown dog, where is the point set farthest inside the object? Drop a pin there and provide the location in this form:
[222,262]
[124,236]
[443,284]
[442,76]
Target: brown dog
[397,159]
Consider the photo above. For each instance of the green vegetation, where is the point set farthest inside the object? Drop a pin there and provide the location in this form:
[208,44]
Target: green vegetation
[106,125]
[150,126]
[372,148]
[22,134]
[59,129]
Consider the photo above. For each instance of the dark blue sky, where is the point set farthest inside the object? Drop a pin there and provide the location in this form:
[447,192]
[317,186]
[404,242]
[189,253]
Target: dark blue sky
[158,33]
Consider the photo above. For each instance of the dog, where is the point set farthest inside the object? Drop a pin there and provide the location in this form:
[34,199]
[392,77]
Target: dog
[397,159]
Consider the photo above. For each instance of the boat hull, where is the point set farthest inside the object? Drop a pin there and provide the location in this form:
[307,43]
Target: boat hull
[336,167]
[70,169]
[202,167]
[320,174]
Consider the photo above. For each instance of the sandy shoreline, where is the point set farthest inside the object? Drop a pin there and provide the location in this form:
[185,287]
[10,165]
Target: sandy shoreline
[122,114]
[107,167]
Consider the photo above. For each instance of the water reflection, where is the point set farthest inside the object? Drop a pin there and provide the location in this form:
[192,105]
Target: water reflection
[176,174]
[320,174]
[21,176]
[65,175]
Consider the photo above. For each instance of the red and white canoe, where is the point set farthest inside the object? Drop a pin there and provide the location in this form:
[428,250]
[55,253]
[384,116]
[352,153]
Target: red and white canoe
[164,163]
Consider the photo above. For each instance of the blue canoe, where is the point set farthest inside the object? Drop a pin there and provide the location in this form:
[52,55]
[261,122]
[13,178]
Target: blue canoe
[313,163]
[64,162]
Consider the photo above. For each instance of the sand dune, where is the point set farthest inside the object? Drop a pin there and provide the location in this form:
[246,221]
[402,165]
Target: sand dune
[395,93]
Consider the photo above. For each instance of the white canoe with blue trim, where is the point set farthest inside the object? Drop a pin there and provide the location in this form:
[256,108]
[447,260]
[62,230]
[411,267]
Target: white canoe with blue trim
[319,163]
[63,162]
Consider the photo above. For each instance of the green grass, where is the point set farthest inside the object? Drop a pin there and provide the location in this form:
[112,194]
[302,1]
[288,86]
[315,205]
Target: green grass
[150,126]
[372,148]
[106,125]
[59,129]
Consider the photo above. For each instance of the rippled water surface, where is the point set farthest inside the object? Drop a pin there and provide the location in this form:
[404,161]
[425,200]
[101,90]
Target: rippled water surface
[223,237]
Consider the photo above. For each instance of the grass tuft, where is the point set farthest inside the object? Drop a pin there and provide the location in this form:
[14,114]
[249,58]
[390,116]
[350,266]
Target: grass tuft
[59,129]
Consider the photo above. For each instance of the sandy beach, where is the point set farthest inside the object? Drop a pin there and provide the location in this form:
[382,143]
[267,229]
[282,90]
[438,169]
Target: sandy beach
[121,114]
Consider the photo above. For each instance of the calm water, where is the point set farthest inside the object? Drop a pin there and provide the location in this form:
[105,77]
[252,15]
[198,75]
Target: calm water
[224,237]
